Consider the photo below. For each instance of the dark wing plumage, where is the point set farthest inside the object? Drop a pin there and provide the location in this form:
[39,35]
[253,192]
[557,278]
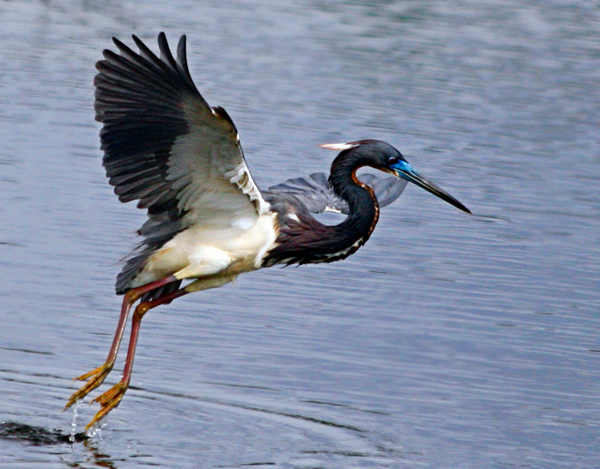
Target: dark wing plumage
[167,148]
[317,195]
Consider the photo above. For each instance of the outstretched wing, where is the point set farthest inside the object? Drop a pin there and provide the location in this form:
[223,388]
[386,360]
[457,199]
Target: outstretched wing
[317,195]
[167,148]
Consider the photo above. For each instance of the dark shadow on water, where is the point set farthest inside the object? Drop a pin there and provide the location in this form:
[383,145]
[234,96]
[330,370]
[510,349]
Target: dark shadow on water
[38,436]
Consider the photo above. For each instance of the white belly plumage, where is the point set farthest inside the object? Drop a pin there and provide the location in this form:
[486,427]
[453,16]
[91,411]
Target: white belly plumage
[205,251]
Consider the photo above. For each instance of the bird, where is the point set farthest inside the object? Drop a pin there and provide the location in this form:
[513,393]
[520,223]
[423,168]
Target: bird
[208,221]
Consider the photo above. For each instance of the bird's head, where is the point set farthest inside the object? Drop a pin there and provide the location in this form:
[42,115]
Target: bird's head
[384,157]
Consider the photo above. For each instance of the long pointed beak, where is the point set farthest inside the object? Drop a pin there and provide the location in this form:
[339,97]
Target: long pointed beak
[404,170]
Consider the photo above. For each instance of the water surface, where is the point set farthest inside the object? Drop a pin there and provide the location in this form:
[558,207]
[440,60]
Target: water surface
[447,341]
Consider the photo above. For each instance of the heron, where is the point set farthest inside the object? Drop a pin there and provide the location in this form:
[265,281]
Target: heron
[208,222]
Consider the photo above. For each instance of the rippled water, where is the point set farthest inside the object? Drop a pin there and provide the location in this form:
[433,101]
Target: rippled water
[447,341]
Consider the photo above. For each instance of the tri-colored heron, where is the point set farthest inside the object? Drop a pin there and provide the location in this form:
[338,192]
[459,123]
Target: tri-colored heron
[207,220]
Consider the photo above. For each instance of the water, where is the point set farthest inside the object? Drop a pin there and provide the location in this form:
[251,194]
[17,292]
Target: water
[447,341]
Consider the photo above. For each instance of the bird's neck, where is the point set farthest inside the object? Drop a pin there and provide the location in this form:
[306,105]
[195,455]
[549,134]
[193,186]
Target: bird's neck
[306,240]
[364,209]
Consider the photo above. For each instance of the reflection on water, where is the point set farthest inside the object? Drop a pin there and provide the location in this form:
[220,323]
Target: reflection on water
[447,341]
[37,435]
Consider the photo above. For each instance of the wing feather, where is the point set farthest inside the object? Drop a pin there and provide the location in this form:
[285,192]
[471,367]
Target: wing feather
[165,147]
[317,195]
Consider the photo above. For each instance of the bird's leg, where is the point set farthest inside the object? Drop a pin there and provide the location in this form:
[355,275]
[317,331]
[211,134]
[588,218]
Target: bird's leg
[97,376]
[111,398]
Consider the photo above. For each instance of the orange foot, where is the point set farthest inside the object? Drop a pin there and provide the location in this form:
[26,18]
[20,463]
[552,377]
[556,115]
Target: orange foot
[97,377]
[108,401]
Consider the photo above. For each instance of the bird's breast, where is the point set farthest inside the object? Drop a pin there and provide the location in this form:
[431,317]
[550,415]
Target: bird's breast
[202,251]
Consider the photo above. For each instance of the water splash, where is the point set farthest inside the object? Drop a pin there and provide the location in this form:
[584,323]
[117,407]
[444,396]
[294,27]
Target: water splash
[74,422]
[96,431]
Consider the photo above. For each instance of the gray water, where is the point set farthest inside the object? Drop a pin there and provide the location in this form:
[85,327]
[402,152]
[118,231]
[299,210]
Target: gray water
[448,341]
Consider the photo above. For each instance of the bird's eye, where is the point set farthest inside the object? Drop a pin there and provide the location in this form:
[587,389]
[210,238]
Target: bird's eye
[393,160]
